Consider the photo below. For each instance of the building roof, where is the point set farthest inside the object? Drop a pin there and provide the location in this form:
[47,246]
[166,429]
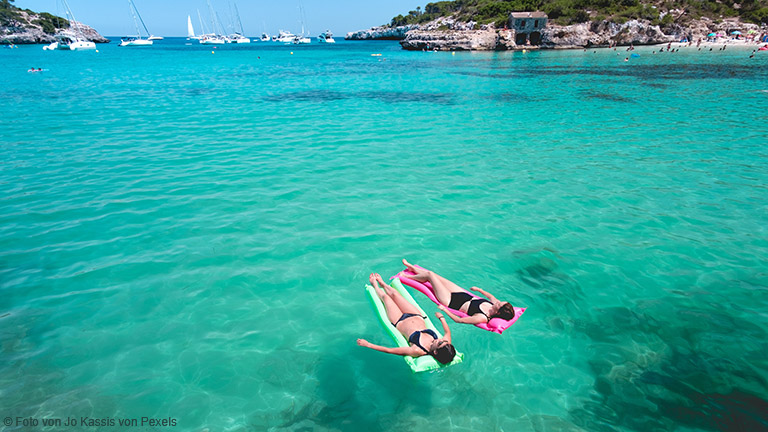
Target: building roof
[536,14]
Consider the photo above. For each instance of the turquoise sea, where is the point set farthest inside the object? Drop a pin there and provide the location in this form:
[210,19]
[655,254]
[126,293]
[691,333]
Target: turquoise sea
[185,233]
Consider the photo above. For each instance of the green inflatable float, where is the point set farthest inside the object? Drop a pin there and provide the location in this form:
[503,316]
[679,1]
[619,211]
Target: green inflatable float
[418,364]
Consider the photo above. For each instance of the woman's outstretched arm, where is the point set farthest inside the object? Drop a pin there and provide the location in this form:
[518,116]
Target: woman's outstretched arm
[488,295]
[474,319]
[446,329]
[403,351]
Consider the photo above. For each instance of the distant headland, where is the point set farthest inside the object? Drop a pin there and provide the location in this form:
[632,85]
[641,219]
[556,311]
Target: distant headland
[567,24]
[23,26]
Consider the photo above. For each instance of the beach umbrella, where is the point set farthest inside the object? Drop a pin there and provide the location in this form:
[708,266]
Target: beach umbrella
[735,32]
[711,35]
[751,32]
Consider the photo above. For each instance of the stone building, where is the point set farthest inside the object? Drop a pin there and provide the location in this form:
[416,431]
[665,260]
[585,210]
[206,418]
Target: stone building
[527,27]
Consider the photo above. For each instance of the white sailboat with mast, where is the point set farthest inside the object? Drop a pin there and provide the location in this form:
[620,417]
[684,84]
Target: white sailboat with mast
[72,41]
[190,29]
[212,38]
[136,40]
[302,39]
[237,37]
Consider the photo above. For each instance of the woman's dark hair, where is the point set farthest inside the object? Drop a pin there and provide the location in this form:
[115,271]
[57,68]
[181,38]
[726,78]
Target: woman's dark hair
[444,354]
[505,312]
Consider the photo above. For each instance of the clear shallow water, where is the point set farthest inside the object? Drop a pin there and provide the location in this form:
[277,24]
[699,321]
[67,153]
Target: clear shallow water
[186,234]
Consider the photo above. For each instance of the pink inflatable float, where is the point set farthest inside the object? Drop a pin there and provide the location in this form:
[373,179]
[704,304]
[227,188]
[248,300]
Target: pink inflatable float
[496,325]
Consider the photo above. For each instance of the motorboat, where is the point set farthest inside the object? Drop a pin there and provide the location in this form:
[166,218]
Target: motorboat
[326,37]
[301,40]
[285,37]
[265,37]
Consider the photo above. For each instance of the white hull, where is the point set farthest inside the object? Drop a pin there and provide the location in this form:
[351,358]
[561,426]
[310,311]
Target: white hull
[77,45]
[285,37]
[212,41]
[52,46]
[154,38]
[302,40]
[326,37]
[136,42]
[238,40]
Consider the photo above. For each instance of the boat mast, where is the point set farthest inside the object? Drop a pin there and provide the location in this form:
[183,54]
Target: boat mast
[200,17]
[133,6]
[237,14]
[213,17]
[78,30]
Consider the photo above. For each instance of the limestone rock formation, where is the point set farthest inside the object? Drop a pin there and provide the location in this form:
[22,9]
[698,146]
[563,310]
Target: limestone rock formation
[27,30]
[381,33]
[448,34]
[451,40]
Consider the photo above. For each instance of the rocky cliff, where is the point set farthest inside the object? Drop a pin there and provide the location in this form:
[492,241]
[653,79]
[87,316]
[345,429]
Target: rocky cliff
[447,34]
[381,33]
[27,28]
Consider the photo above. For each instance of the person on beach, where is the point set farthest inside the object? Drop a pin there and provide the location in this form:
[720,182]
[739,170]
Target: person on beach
[478,309]
[406,319]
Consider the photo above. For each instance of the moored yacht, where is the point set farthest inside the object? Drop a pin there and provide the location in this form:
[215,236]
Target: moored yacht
[212,39]
[237,38]
[302,40]
[285,37]
[326,37]
[73,43]
[136,40]
[70,41]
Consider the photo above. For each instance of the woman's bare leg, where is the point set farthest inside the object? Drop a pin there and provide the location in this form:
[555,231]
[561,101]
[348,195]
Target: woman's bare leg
[393,311]
[404,305]
[440,285]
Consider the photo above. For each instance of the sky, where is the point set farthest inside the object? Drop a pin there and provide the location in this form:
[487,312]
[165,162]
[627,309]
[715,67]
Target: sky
[169,17]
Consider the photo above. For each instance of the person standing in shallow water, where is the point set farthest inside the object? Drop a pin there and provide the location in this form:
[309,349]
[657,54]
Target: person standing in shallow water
[478,310]
[407,320]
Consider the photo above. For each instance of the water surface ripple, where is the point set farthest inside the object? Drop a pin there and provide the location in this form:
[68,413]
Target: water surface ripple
[187,234]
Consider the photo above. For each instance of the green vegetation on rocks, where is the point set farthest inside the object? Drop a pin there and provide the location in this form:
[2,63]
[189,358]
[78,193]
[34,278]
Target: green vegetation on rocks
[11,16]
[564,12]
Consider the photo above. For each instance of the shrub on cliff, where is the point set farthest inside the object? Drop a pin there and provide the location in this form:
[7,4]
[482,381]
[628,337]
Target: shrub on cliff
[576,11]
[50,23]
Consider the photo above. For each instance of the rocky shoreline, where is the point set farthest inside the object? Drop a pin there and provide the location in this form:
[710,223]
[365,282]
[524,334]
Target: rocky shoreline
[447,34]
[25,30]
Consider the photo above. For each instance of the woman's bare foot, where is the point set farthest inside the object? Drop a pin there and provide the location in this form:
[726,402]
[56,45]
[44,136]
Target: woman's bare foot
[381,281]
[409,266]
[385,286]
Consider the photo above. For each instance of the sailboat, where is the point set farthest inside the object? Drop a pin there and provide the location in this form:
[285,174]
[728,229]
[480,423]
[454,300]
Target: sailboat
[213,38]
[237,37]
[136,40]
[190,29]
[71,41]
[302,39]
